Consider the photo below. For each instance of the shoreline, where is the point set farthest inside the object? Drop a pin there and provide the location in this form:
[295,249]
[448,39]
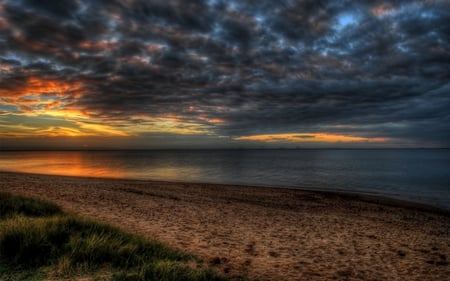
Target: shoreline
[369,197]
[266,233]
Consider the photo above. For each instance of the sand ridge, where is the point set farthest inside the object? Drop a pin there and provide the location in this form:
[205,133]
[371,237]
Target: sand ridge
[265,233]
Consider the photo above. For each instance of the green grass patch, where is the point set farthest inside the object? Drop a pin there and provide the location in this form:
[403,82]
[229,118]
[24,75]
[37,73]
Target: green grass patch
[38,240]
[16,205]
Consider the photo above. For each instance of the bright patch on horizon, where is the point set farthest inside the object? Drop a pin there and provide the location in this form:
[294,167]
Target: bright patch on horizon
[308,138]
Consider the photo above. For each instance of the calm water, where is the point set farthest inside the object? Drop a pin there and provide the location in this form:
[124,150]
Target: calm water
[415,175]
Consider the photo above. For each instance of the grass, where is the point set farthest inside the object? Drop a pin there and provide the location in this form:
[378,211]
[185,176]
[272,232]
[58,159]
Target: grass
[39,241]
[15,205]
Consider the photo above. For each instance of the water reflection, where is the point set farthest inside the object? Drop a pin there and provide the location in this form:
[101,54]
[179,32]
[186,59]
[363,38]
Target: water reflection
[59,163]
[111,164]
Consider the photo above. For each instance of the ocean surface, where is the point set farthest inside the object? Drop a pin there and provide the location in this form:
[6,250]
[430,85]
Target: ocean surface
[421,175]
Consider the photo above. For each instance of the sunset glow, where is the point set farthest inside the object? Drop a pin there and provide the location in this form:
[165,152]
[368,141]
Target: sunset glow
[309,137]
[224,74]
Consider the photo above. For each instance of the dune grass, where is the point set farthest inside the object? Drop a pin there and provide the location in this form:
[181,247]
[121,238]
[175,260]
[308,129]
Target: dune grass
[15,205]
[39,241]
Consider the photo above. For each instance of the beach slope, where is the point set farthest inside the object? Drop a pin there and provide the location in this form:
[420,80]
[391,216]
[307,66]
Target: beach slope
[267,233]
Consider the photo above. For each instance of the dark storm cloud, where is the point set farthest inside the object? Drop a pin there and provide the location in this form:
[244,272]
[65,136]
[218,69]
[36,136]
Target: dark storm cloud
[366,68]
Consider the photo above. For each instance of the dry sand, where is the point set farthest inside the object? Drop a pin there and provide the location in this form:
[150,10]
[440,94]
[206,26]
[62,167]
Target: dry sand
[266,233]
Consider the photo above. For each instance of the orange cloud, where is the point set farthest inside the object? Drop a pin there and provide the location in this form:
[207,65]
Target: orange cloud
[39,96]
[217,121]
[382,9]
[4,67]
[102,45]
[40,86]
[47,100]
[308,138]
[76,129]
[98,129]
[4,24]
[153,48]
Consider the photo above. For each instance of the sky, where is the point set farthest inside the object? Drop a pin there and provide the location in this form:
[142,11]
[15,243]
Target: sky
[134,74]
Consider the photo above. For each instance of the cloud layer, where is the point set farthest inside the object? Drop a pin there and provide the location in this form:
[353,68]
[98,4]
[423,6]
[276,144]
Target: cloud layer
[227,69]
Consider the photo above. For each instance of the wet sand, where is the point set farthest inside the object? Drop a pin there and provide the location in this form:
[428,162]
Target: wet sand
[264,233]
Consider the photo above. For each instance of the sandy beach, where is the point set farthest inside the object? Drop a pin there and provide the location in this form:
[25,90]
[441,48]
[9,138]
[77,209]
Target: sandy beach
[264,233]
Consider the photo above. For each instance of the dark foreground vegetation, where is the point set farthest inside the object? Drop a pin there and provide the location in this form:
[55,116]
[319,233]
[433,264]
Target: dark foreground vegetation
[38,241]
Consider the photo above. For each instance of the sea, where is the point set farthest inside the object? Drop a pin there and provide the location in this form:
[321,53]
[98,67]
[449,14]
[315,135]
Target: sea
[417,175]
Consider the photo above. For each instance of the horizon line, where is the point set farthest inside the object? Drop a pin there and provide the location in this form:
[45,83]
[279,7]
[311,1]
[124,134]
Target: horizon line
[206,149]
